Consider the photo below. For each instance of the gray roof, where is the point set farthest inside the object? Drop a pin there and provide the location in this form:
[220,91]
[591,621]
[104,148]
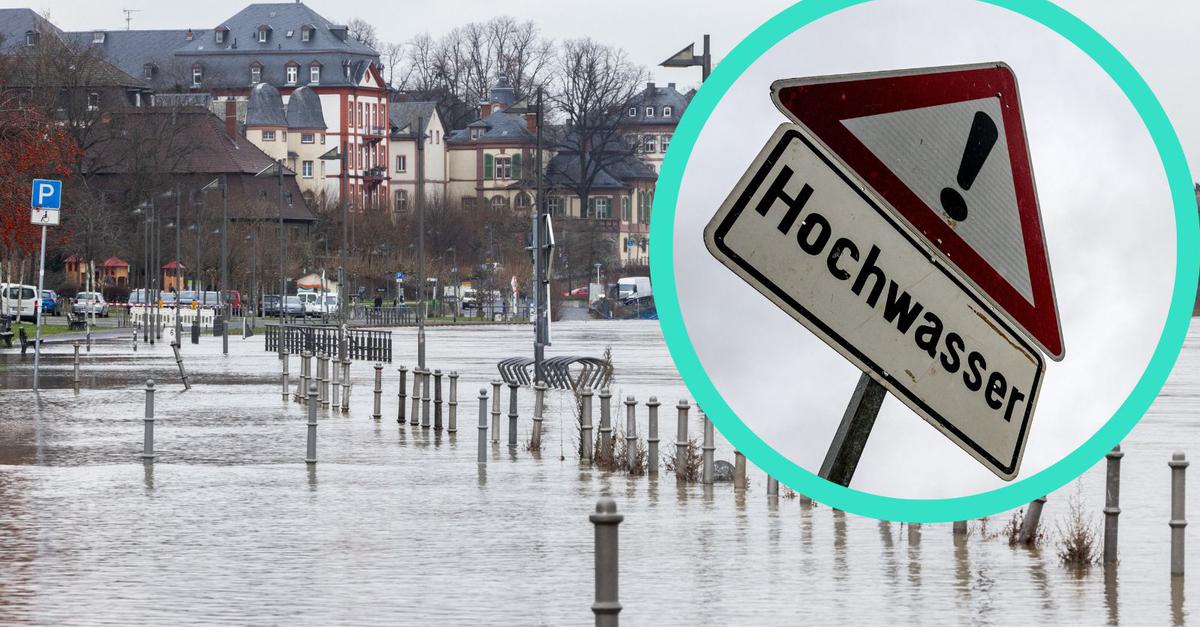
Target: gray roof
[133,50]
[564,171]
[658,97]
[304,109]
[503,91]
[403,116]
[265,107]
[14,23]
[499,126]
[281,18]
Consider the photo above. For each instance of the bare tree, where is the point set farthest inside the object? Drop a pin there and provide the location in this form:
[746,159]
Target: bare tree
[363,32]
[393,58]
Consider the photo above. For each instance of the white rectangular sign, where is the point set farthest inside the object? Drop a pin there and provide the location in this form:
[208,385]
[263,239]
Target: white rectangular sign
[817,243]
[44,217]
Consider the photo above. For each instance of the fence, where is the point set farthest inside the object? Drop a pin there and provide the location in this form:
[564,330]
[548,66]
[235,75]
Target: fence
[137,315]
[406,315]
[366,344]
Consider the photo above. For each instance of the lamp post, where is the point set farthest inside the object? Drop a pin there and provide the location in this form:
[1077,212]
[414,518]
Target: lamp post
[420,145]
[143,211]
[253,239]
[688,58]
[223,289]
[453,250]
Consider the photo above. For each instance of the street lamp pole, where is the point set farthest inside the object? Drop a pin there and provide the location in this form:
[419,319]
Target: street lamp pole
[178,269]
[420,145]
[222,296]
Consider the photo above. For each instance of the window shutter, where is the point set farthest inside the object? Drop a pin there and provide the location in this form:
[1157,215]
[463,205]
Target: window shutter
[487,167]
[516,167]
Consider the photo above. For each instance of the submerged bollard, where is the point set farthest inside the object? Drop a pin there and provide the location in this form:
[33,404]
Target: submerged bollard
[179,362]
[283,376]
[135,339]
[630,433]
[400,406]
[334,383]
[606,607]
[323,377]
[77,364]
[305,375]
[585,426]
[148,433]
[772,487]
[652,435]
[346,385]
[539,407]
[482,456]
[606,443]
[1029,526]
[415,418]
[739,470]
[708,449]
[496,411]
[512,415]
[1112,503]
[960,527]
[437,400]
[681,439]
[312,424]
[425,399]
[453,404]
[1178,465]
[378,404]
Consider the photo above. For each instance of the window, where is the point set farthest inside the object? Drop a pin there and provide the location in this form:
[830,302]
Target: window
[268,136]
[437,137]
[650,143]
[487,166]
[643,209]
[633,112]
[305,33]
[599,207]
[322,139]
[306,169]
[474,133]
[197,75]
[93,101]
[283,136]
[314,74]
[98,37]
[503,168]
[148,71]
[626,211]
[649,112]
[308,138]
[554,205]
[402,163]
[667,112]
[220,35]
[262,34]
[255,74]
[499,202]
[322,168]
[292,74]
[523,200]
[666,141]
[360,115]
[31,38]
[401,201]
[468,202]
[516,166]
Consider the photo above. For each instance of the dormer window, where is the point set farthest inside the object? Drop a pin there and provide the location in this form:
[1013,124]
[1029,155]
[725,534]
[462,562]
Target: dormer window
[293,73]
[197,75]
[31,38]
[649,112]
[474,133]
[255,74]
[306,33]
[220,33]
[263,32]
[148,71]
[666,112]
[314,73]
[633,112]
[189,35]
[98,37]
[346,69]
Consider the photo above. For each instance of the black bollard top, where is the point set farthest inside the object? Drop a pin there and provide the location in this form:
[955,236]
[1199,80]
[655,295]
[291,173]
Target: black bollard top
[606,512]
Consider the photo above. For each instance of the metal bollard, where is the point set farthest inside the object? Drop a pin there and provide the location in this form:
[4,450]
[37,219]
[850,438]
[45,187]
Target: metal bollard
[283,376]
[402,396]
[681,439]
[585,426]
[76,365]
[1178,465]
[652,435]
[739,471]
[482,457]
[606,607]
[415,418]
[312,424]
[148,434]
[1030,524]
[323,377]
[425,399]
[437,400]
[182,372]
[708,449]
[346,386]
[630,433]
[772,487]
[914,533]
[135,339]
[1112,503]
[539,407]
[512,415]
[960,527]
[496,411]
[305,375]
[453,404]
[334,383]
[377,407]
[606,443]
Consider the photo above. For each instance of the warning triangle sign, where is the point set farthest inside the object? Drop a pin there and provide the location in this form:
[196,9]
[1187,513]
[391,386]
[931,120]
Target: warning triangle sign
[946,149]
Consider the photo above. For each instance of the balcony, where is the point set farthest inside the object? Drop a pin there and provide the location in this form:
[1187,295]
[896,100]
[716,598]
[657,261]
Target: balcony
[374,133]
[375,174]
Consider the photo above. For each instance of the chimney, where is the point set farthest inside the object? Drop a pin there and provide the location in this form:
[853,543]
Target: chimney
[485,109]
[531,121]
[671,86]
[649,86]
[231,118]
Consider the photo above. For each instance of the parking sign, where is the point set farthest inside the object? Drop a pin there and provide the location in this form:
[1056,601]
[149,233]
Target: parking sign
[47,194]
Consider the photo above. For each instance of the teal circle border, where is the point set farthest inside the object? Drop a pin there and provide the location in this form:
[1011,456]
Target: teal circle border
[1187,270]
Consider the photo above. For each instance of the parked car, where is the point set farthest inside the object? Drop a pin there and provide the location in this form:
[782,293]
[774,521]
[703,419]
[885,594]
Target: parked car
[210,299]
[18,301]
[51,303]
[234,298]
[292,307]
[169,299]
[269,305]
[90,302]
[579,291]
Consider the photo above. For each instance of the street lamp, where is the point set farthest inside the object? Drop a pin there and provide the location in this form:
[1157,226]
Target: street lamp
[598,266]
[222,183]
[454,273]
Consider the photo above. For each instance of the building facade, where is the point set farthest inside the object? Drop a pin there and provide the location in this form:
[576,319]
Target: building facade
[404,119]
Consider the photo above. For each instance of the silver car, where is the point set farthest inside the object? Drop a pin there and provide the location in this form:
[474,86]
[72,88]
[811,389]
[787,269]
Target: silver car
[90,302]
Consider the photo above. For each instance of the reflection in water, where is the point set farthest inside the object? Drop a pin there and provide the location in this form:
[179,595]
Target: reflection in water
[312,477]
[962,569]
[1178,615]
[914,555]
[482,475]
[148,476]
[839,545]
[1110,594]
[1037,572]
[652,492]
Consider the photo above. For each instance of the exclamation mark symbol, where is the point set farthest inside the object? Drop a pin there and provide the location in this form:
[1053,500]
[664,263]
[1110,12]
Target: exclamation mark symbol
[979,145]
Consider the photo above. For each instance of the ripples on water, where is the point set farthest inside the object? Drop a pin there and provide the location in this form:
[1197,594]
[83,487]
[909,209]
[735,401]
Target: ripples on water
[399,525]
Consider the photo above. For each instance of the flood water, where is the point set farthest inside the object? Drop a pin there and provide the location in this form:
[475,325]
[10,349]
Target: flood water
[398,525]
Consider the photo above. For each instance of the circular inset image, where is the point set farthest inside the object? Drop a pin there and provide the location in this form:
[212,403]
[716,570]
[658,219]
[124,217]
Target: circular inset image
[924,261]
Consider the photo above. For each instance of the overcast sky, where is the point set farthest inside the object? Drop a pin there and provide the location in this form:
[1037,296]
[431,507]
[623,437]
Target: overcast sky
[1162,43]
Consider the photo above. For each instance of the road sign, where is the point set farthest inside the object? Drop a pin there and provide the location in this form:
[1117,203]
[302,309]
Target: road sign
[804,233]
[399,277]
[44,217]
[47,194]
[945,148]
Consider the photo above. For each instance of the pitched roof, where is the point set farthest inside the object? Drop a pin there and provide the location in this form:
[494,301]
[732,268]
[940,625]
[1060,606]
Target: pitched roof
[14,23]
[658,98]
[282,18]
[265,107]
[403,116]
[499,126]
[564,170]
[114,262]
[304,109]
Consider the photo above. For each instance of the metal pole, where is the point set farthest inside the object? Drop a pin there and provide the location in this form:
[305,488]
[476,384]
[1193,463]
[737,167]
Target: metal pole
[585,429]
[652,435]
[851,438]
[343,302]
[420,193]
[223,295]
[282,246]
[482,455]
[539,270]
[377,413]
[37,334]
[960,527]
[1028,534]
[681,440]
[416,397]
[437,400]
[77,364]
[606,608]
[425,398]
[178,268]
[311,458]
[346,386]
[496,411]
[512,415]
[772,487]
[630,433]
[708,449]
[1178,466]
[148,434]
[402,396]
[1112,503]
[539,407]
[706,61]
[453,402]
[179,362]
[606,444]
[283,363]
[739,471]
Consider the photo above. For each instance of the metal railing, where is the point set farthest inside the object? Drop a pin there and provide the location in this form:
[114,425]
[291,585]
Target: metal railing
[364,344]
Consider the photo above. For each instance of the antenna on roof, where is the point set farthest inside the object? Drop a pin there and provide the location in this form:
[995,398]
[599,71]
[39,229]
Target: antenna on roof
[129,16]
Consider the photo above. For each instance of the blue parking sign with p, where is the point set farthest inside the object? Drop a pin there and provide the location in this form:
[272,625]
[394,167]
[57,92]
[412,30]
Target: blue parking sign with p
[47,194]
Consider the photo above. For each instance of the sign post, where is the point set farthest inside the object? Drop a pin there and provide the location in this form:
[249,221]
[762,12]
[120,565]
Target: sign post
[924,266]
[46,203]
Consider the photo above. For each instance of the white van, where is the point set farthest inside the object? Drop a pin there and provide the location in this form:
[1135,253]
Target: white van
[633,287]
[19,301]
